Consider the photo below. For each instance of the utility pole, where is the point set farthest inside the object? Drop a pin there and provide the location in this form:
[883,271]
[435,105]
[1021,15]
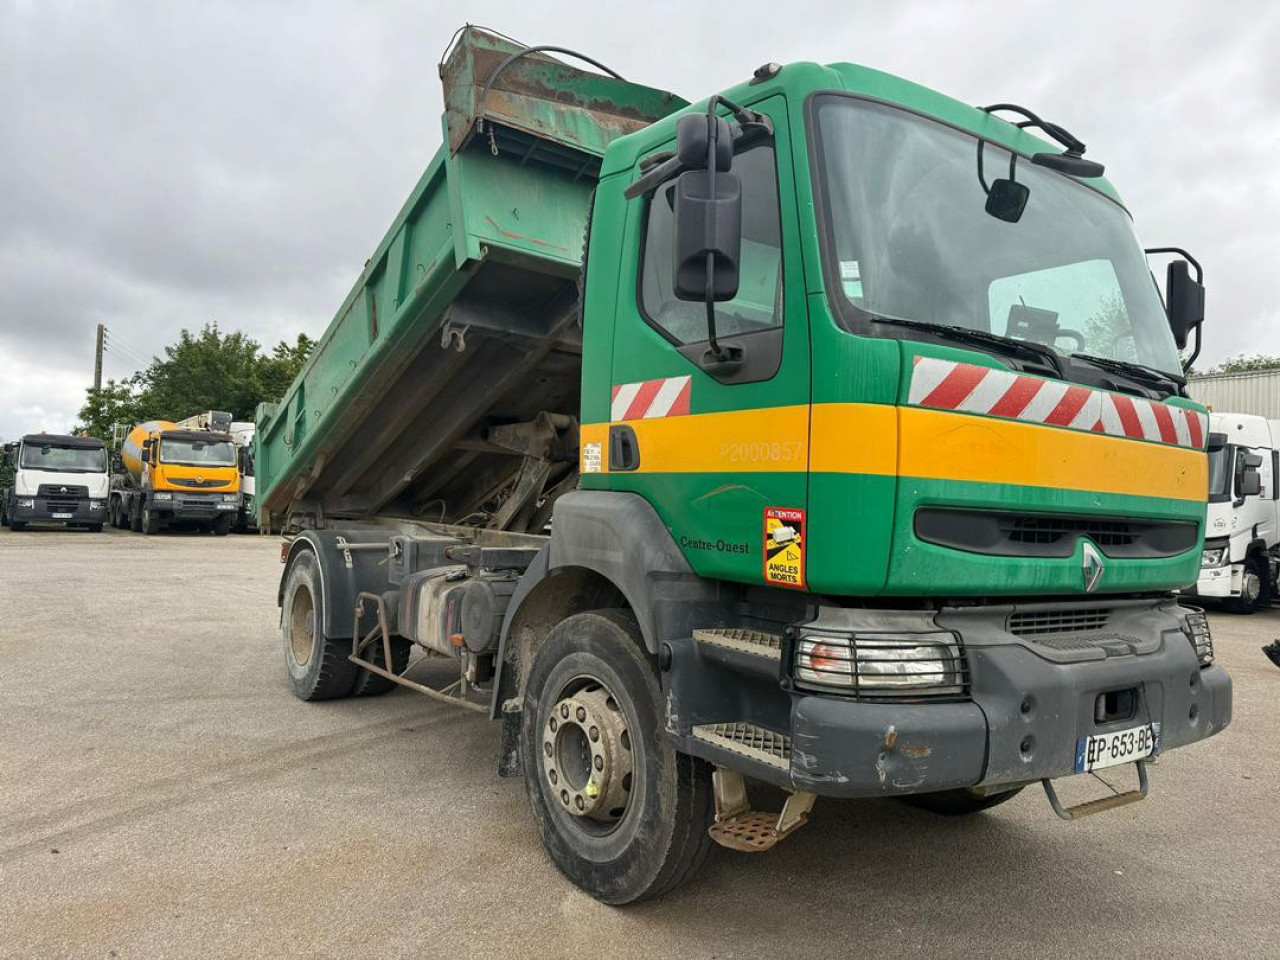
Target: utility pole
[97,359]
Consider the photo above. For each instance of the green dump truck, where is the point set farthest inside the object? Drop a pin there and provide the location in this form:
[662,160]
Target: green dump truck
[827,433]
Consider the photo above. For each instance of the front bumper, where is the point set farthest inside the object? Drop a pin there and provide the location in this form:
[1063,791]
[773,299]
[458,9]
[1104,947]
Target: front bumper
[1219,582]
[196,506]
[1030,702]
[46,510]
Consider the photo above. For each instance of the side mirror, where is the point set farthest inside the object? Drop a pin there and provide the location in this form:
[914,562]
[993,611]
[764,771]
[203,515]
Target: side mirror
[1007,199]
[1216,442]
[1249,483]
[693,139]
[1184,301]
[708,236]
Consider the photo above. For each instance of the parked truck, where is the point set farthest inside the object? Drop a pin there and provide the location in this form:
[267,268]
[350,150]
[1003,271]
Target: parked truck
[850,453]
[1242,531]
[56,479]
[241,433]
[175,476]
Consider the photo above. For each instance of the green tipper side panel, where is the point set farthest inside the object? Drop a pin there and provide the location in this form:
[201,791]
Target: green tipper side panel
[486,253]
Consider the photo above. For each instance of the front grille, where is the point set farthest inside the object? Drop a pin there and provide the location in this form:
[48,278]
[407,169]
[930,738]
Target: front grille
[62,505]
[62,491]
[1104,533]
[1001,533]
[1037,623]
[197,484]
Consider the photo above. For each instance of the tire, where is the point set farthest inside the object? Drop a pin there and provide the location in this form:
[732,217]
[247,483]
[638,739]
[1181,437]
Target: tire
[149,523]
[221,527]
[17,526]
[1254,594]
[370,684]
[94,527]
[958,803]
[135,520]
[318,668]
[643,835]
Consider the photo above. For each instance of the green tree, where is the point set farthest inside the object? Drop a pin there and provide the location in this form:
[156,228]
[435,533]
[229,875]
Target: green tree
[1108,333]
[205,371]
[277,371]
[117,402]
[1250,364]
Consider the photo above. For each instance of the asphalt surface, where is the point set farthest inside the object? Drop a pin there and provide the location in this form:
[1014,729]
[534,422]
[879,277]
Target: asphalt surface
[162,794]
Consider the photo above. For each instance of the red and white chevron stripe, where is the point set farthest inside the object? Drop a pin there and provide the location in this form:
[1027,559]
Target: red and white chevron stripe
[946,385]
[651,399]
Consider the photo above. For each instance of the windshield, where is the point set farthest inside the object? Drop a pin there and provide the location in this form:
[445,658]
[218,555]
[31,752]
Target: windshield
[62,459]
[912,240]
[198,453]
[1220,472]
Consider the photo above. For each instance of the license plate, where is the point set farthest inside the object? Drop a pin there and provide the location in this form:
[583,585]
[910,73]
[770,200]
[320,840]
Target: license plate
[1121,746]
[227,506]
[62,516]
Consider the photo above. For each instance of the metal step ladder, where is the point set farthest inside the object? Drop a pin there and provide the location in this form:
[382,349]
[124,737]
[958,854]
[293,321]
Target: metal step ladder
[738,826]
[756,643]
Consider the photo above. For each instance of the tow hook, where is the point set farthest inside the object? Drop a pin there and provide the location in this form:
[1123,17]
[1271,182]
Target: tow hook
[741,828]
[1102,804]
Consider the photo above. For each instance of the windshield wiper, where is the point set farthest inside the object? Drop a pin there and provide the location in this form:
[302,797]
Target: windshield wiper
[968,335]
[1136,371]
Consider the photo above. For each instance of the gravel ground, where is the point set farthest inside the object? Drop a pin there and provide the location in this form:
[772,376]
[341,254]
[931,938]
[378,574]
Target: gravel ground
[163,795]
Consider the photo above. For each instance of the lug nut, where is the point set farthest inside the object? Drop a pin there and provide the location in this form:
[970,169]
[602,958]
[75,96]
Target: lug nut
[582,715]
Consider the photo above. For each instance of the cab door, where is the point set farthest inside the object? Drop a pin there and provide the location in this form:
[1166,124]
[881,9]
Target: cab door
[720,450]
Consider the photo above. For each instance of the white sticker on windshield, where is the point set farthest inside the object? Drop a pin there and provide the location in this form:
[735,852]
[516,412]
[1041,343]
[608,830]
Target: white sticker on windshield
[851,279]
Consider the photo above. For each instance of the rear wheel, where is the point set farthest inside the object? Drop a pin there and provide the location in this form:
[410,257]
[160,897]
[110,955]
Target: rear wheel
[370,684]
[1254,592]
[135,519]
[958,803]
[622,814]
[318,668]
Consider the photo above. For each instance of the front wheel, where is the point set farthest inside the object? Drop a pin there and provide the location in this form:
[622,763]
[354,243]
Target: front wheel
[17,526]
[222,526]
[622,814]
[958,803]
[1254,592]
[150,524]
[94,528]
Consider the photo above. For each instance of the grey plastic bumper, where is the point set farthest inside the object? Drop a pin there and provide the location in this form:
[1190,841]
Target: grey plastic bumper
[1023,723]
[42,511]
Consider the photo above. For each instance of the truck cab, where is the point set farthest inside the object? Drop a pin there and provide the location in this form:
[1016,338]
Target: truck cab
[56,479]
[1242,529]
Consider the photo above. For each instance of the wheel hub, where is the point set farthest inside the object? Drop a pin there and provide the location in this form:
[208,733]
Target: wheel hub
[1252,586]
[586,754]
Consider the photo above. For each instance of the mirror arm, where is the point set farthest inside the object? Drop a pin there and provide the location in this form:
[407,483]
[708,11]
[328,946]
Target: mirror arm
[1195,352]
[1185,256]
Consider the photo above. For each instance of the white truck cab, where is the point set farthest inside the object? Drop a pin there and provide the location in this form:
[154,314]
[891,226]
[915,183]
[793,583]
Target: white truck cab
[56,479]
[1241,533]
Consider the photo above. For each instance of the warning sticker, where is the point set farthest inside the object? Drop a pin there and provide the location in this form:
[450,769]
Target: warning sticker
[784,547]
[592,458]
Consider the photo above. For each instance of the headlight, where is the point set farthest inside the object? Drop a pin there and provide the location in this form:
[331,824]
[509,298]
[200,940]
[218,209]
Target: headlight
[27,504]
[1198,634]
[884,665]
[162,496]
[96,504]
[231,497]
[1214,557]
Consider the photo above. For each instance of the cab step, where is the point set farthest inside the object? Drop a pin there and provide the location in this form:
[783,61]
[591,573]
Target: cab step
[756,643]
[748,740]
[738,827]
[1102,804]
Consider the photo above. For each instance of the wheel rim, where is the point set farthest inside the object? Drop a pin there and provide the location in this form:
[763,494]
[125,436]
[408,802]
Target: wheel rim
[1251,587]
[586,755]
[302,626]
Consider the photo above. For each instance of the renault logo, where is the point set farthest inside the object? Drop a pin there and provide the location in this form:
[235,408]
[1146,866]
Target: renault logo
[62,489]
[1093,568]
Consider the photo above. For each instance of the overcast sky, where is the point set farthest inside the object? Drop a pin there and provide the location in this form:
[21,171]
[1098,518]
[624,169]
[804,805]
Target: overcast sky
[167,164]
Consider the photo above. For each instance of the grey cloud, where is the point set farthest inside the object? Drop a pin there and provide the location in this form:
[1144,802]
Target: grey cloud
[168,164]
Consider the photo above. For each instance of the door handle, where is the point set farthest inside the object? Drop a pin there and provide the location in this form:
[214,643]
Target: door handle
[624,450]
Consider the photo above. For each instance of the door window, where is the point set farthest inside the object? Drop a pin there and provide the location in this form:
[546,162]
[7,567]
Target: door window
[758,305]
